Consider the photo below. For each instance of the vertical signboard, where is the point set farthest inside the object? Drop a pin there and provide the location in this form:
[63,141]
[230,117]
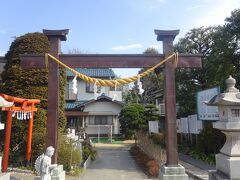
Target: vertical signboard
[205,112]
[153,126]
[194,125]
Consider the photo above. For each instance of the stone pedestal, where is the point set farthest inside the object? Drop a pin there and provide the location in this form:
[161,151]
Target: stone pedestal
[228,160]
[230,166]
[172,173]
[56,174]
[3,176]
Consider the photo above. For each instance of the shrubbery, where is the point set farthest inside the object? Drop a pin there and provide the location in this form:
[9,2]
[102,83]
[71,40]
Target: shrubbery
[134,117]
[68,154]
[149,165]
[88,150]
[158,138]
[131,120]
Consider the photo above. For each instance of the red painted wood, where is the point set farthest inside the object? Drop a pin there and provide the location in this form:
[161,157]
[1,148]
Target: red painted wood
[19,100]
[29,139]
[7,141]
[27,105]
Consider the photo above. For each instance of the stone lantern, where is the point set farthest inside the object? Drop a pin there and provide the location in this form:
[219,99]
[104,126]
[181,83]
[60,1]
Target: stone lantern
[228,160]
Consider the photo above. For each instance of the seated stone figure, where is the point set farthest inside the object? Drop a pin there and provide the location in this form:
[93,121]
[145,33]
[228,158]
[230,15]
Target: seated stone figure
[43,164]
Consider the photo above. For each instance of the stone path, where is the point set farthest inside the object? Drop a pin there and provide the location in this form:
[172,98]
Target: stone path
[114,164]
[197,170]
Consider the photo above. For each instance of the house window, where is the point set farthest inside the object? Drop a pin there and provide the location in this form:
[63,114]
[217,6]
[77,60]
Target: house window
[91,120]
[90,88]
[101,120]
[110,120]
[235,112]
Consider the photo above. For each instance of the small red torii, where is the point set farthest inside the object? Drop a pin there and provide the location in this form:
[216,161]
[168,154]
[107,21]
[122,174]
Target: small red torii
[27,105]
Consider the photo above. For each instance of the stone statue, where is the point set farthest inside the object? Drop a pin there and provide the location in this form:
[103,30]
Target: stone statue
[43,164]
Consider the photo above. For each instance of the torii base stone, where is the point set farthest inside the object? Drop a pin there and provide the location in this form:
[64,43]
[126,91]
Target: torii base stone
[174,172]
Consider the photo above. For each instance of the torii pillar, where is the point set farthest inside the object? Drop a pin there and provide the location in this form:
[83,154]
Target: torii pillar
[55,38]
[171,170]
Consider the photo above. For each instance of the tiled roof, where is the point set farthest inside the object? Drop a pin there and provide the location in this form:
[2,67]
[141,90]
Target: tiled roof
[99,98]
[100,72]
[78,104]
[72,105]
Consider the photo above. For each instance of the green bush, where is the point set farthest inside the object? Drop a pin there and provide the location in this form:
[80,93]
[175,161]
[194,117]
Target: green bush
[88,150]
[209,158]
[68,155]
[131,120]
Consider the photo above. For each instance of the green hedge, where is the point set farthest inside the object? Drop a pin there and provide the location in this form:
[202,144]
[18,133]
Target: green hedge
[31,84]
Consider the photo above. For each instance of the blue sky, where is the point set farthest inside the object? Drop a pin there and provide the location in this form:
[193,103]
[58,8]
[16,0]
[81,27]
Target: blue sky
[109,26]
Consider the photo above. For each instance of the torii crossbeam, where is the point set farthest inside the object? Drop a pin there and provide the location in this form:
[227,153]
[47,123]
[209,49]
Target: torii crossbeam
[112,61]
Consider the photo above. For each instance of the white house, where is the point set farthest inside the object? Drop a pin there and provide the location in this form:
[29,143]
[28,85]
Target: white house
[83,110]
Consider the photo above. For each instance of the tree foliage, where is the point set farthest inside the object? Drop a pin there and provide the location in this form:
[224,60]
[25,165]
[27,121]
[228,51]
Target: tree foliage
[151,113]
[134,117]
[153,82]
[131,119]
[220,49]
[31,84]
[151,51]
[131,96]
[196,41]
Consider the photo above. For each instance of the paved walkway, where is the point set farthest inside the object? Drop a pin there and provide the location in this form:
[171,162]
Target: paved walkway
[197,170]
[114,164]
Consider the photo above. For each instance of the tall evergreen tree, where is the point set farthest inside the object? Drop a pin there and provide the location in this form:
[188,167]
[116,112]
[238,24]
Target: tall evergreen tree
[31,84]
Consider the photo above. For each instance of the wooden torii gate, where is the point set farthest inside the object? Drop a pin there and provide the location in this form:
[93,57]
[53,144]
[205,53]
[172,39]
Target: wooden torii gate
[112,61]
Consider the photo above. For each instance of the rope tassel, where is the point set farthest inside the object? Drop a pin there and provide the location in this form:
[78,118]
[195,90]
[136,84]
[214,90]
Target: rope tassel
[140,89]
[115,94]
[95,90]
[74,85]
